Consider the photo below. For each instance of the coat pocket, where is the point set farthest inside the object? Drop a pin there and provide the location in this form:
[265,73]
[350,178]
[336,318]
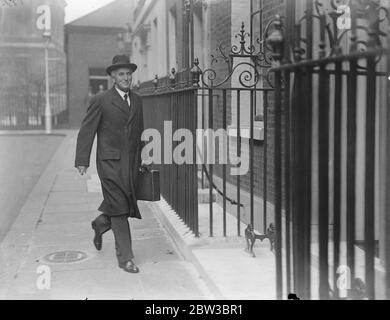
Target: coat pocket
[110,155]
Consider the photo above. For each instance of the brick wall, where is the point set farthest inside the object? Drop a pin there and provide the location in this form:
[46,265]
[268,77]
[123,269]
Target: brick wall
[220,29]
[270,9]
[227,23]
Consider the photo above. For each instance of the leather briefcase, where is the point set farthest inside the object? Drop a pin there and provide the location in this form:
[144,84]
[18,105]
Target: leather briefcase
[148,188]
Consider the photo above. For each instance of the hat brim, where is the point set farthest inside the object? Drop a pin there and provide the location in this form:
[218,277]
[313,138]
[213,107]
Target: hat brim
[113,67]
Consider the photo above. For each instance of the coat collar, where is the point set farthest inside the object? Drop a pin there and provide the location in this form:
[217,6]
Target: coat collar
[122,105]
[119,102]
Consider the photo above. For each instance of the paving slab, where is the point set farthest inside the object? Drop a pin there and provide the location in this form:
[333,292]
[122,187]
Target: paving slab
[70,207]
[239,276]
[63,218]
[82,284]
[62,198]
[57,217]
[172,277]
[230,272]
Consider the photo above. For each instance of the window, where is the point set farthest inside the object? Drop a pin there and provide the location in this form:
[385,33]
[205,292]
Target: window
[155,48]
[257,33]
[172,35]
[98,80]
[198,36]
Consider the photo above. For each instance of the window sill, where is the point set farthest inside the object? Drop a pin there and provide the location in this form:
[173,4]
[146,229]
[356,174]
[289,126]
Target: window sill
[258,131]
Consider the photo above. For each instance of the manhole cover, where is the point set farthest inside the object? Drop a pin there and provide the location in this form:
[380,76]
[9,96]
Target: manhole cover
[65,256]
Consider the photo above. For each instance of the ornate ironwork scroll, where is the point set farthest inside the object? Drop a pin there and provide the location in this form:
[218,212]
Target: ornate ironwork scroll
[253,59]
[360,20]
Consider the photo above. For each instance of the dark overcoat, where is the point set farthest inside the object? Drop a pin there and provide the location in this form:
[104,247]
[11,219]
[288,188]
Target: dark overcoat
[118,157]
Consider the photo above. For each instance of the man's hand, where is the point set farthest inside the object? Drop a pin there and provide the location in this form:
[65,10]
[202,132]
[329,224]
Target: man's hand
[146,165]
[82,169]
[146,162]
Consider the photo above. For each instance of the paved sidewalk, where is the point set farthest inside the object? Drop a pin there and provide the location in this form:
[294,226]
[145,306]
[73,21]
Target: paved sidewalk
[229,270]
[57,217]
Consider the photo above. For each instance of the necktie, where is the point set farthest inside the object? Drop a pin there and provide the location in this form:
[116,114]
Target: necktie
[125,98]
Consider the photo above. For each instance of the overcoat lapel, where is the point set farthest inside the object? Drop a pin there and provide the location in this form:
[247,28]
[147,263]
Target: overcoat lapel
[119,102]
[131,164]
[133,108]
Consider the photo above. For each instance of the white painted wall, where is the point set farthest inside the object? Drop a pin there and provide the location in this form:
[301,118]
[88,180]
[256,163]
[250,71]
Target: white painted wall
[172,39]
[154,59]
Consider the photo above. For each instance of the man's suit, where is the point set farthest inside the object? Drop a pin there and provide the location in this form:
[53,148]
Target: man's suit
[118,159]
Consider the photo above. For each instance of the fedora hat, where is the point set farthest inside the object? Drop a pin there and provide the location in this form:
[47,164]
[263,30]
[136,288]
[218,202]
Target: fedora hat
[121,61]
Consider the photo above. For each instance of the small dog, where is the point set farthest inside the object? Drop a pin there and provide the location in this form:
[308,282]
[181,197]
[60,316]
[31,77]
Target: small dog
[271,230]
[251,236]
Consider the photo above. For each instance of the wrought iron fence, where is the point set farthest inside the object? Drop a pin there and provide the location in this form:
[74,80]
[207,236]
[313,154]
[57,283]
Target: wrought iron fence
[167,109]
[18,111]
[213,99]
[316,169]
[329,100]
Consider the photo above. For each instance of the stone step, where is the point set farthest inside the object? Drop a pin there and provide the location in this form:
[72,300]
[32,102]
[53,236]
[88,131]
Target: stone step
[204,196]
[205,180]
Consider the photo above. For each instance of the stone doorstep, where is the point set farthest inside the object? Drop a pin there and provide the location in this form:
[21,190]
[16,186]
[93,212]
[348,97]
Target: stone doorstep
[204,196]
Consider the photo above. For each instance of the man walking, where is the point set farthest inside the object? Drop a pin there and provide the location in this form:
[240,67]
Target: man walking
[116,117]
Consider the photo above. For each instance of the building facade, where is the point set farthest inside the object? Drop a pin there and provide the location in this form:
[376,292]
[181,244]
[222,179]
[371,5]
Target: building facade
[22,51]
[304,98]
[91,43]
[170,35]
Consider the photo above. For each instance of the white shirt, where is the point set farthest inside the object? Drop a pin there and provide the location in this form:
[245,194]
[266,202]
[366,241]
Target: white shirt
[122,94]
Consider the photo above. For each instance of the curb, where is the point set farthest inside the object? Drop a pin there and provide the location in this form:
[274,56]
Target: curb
[184,240]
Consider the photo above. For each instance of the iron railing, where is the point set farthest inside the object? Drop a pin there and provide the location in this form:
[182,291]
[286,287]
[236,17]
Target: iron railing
[167,110]
[217,105]
[329,102]
[213,98]
[312,158]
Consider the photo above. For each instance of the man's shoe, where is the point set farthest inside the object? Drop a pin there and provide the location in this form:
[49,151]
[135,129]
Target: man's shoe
[129,266]
[98,239]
